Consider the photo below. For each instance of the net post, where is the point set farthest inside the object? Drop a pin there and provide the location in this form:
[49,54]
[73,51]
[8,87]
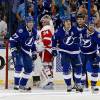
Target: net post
[6,68]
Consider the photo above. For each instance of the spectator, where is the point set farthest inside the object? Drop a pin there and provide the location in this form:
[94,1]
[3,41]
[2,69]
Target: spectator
[97,25]
[3,30]
[22,11]
[66,7]
[94,11]
[83,10]
[55,17]
[73,13]
[43,7]
[3,26]
[14,6]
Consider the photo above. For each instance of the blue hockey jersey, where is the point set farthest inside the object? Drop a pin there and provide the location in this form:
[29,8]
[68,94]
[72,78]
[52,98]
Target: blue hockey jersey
[89,43]
[24,39]
[67,41]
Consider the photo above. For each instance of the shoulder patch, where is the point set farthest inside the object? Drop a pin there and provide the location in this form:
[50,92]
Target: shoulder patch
[20,30]
[98,35]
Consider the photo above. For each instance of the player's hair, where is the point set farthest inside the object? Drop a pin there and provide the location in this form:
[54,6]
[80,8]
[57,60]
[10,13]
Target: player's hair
[80,15]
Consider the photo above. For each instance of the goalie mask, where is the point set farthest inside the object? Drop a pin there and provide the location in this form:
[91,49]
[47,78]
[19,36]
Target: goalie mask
[45,20]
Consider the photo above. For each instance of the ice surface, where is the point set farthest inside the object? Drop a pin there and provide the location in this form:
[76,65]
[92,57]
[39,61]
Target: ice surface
[59,93]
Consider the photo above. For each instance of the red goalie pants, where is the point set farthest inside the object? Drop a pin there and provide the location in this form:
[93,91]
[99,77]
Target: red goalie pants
[46,56]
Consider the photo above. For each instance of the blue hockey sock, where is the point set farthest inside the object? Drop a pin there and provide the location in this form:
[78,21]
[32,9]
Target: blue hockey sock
[83,80]
[23,82]
[94,78]
[78,74]
[16,78]
[77,78]
[67,79]
[16,81]
[24,79]
[68,82]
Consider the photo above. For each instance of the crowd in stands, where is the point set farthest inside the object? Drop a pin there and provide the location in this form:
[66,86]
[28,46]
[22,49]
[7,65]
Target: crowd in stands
[13,12]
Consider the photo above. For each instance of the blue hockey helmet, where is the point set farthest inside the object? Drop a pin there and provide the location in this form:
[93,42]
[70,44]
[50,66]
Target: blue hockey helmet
[29,19]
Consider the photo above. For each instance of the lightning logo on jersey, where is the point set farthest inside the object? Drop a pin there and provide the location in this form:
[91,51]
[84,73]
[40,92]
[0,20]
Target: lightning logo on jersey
[86,43]
[68,40]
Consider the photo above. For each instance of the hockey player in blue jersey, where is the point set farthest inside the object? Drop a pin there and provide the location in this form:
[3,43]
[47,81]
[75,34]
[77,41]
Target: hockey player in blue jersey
[22,44]
[67,40]
[81,29]
[89,46]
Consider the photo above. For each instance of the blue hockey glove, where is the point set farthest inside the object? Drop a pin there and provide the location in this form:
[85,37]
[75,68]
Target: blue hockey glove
[14,52]
[54,53]
[34,56]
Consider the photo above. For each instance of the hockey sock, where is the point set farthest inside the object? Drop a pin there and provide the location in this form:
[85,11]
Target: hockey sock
[77,78]
[68,82]
[94,75]
[16,81]
[78,74]
[94,78]
[24,79]
[67,79]
[83,79]
[16,78]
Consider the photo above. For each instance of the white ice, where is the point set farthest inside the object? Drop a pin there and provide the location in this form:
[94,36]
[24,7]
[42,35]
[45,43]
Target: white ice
[59,93]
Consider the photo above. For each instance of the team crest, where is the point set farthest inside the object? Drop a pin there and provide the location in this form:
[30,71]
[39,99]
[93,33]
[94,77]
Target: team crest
[20,30]
[68,40]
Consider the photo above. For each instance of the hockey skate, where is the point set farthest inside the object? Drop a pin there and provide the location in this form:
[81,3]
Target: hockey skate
[79,88]
[95,89]
[49,86]
[24,89]
[85,87]
[16,87]
[69,88]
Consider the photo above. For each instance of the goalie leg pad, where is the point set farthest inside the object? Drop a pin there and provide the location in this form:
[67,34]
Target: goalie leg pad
[46,72]
[47,76]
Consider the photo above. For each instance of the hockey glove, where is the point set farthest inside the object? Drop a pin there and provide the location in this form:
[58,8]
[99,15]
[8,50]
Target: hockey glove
[14,52]
[34,56]
[54,53]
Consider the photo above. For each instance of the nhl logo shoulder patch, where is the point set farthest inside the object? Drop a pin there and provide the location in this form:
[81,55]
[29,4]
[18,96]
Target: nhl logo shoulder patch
[20,30]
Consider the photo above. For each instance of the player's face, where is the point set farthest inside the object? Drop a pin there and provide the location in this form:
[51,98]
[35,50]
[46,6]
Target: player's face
[80,22]
[30,25]
[67,24]
[91,28]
